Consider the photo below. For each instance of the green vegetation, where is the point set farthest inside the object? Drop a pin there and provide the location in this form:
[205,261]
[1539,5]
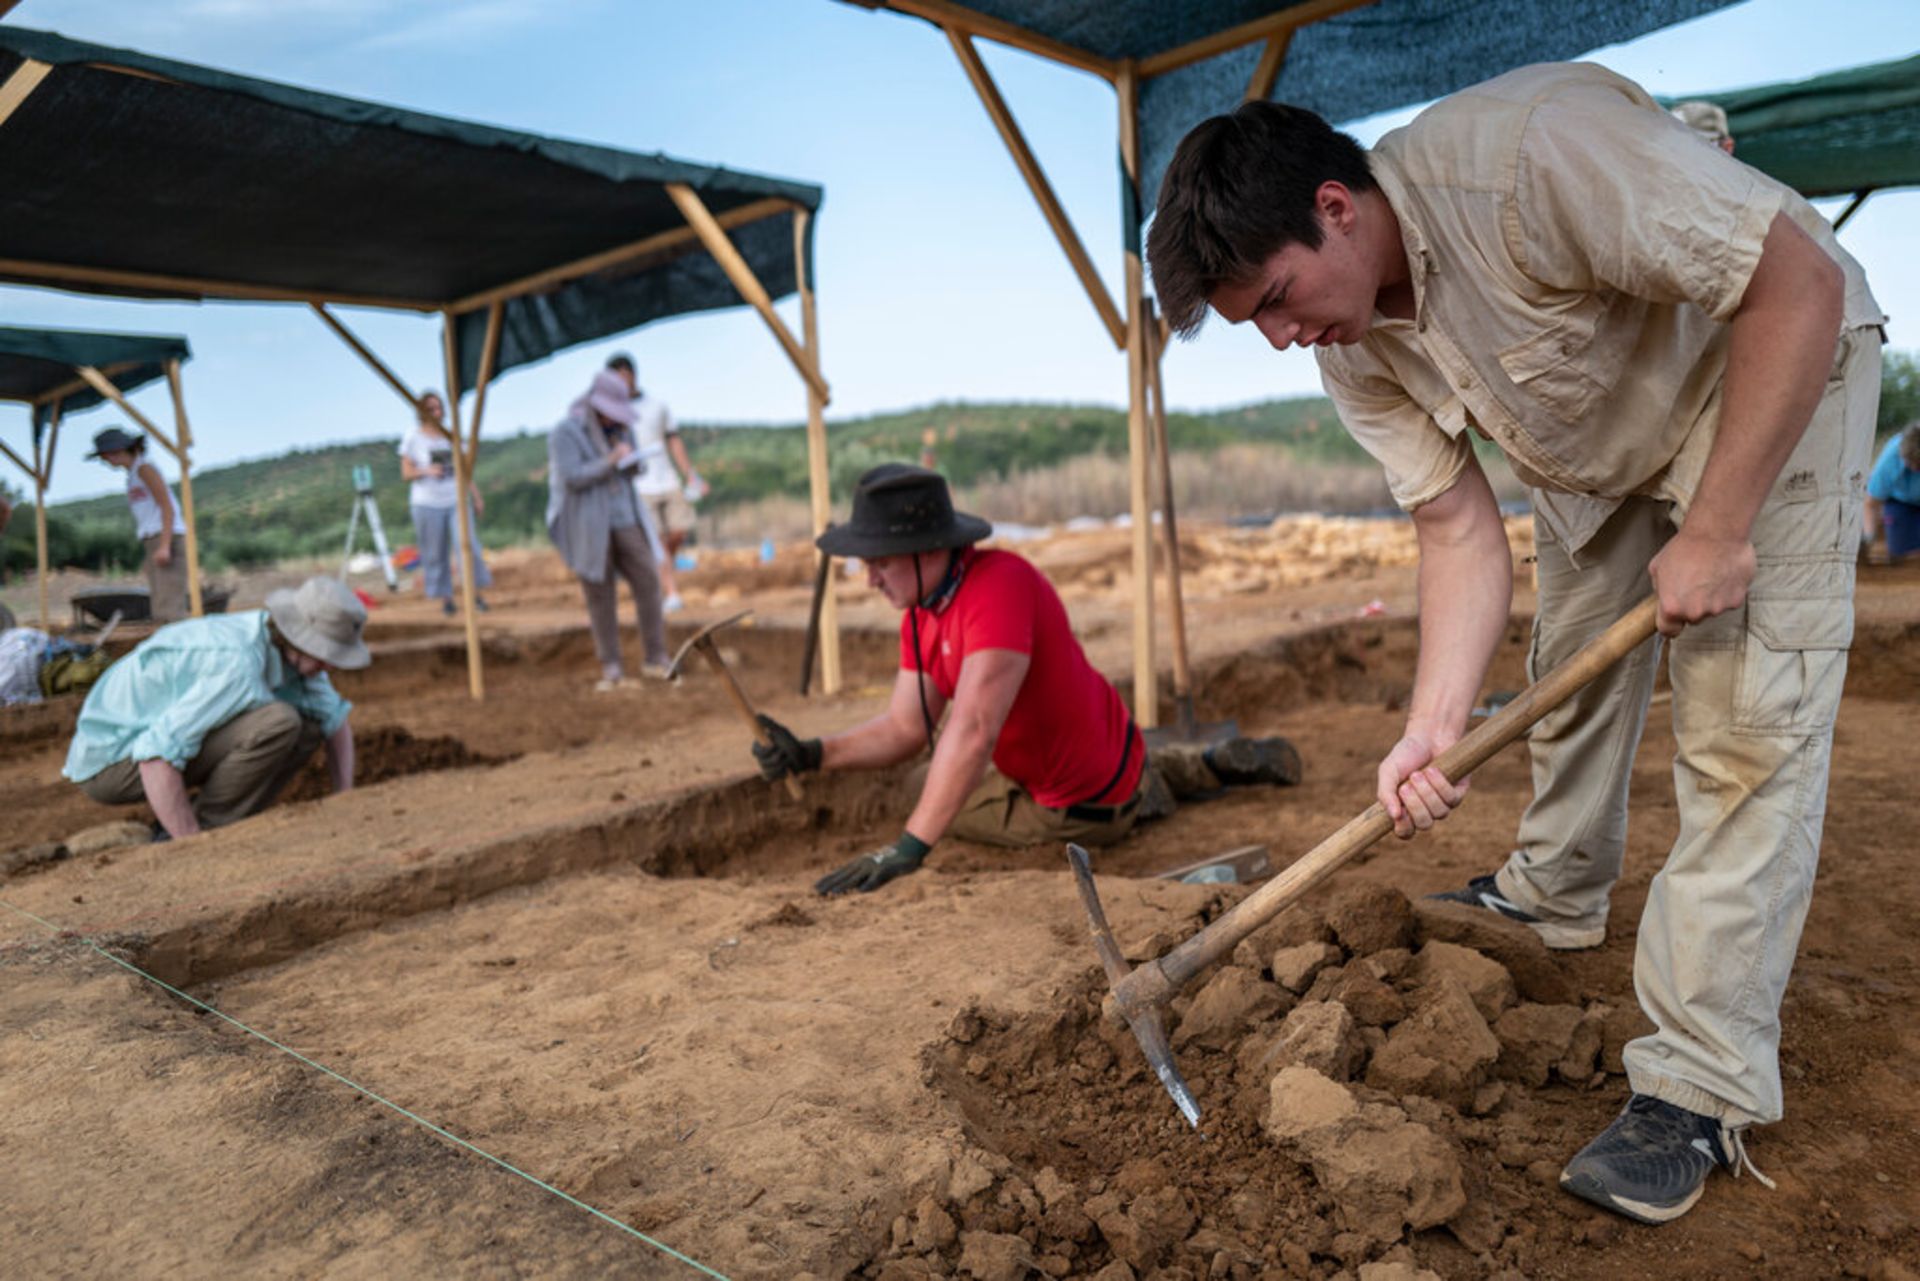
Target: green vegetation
[1899,391]
[298,504]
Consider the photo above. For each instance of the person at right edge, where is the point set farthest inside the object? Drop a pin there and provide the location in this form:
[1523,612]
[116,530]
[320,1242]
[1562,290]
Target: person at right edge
[1683,365]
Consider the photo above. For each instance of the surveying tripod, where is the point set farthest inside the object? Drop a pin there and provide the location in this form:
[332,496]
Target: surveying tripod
[363,499]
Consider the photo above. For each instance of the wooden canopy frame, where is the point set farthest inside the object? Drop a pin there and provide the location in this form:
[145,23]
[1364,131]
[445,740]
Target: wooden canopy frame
[1129,331]
[180,445]
[703,230]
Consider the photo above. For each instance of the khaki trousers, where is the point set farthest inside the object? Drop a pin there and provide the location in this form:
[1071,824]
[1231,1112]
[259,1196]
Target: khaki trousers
[1001,812]
[1755,692]
[166,584]
[242,765]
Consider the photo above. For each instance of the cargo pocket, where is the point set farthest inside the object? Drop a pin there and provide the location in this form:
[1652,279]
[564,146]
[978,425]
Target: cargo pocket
[1793,665]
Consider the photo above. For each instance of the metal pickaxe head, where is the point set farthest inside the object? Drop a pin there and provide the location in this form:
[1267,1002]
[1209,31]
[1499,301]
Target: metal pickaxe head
[693,641]
[1143,1016]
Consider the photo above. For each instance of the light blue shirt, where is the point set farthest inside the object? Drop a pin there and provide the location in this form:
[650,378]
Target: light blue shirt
[1892,478]
[185,681]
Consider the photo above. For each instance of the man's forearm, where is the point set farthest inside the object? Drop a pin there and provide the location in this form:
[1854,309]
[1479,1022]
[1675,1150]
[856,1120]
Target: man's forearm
[166,792]
[678,449]
[1466,589]
[873,744]
[958,765]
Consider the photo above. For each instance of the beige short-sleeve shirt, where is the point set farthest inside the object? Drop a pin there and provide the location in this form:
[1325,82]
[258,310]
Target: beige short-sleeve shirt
[1575,254]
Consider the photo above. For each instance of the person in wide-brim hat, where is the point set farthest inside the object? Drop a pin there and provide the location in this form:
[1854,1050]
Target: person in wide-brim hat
[1038,746]
[209,718]
[158,521]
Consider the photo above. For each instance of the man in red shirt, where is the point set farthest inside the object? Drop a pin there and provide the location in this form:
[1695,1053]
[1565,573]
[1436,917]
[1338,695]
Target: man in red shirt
[986,635]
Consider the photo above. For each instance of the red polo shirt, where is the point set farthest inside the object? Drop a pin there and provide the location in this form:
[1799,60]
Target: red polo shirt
[1067,733]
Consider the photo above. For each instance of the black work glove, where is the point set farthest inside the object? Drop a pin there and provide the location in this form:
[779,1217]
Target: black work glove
[785,754]
[870,871]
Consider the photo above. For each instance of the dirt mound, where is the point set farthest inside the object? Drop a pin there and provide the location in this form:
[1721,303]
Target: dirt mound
[390,752]
[1392,1103]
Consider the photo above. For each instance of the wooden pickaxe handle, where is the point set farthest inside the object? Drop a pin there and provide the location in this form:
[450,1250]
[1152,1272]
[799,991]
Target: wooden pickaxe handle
[707,650]
[1156,982]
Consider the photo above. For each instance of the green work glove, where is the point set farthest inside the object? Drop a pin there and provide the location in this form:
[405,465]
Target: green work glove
[870,871]
[785,754]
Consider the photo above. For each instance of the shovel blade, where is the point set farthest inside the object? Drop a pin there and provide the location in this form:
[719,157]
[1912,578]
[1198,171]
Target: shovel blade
[1149,1029]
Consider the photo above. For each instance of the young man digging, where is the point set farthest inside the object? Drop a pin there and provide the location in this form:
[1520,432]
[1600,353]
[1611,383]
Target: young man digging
[1676,355]
[1038,746]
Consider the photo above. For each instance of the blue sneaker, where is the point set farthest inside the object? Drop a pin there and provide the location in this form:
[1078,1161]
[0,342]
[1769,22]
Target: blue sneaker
[1560,935]
[1652,1163]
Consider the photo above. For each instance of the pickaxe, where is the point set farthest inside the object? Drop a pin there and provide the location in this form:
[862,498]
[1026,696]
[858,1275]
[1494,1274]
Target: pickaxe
[1142,993]
[702,640]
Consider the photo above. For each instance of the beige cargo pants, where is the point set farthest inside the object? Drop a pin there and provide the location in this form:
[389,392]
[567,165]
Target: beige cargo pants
[1001,812]
[1754,697]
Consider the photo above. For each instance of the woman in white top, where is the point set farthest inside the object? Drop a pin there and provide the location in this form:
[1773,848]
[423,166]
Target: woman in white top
[156,520]
[426,460]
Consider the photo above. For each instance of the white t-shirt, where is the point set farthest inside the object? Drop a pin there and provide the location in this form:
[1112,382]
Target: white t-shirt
[652,424]
[146,508]
[418,448]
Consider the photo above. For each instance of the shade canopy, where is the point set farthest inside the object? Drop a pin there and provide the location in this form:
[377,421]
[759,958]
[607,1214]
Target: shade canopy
[1833,135]
[1344,59]
[141,176]
[38,366]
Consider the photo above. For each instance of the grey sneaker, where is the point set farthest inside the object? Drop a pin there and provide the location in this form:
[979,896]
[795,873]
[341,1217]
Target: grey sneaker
[1562,936]
[1255,760]
[1652,1163]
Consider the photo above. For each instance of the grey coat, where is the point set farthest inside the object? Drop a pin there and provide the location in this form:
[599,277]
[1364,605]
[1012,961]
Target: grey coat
[583,487]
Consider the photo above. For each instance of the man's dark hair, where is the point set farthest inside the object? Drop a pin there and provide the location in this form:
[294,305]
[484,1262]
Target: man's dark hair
[620,360]
[1241,188]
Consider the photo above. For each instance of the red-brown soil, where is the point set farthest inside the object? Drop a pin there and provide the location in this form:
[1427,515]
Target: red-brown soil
[576,931]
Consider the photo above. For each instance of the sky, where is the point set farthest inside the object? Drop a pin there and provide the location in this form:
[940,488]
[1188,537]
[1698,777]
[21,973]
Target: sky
[937,278]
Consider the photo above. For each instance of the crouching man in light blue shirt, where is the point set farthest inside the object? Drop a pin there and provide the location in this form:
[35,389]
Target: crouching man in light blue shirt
[231,705]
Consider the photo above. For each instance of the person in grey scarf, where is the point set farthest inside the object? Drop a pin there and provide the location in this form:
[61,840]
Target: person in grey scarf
[595,520]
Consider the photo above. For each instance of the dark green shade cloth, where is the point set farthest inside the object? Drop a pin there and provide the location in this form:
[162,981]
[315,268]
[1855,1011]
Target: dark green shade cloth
[1832,135]
[34,362]
[189,172]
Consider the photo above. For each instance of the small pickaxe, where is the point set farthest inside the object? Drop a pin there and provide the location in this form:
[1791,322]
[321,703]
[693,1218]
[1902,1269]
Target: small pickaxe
[1142,993]
[702,640]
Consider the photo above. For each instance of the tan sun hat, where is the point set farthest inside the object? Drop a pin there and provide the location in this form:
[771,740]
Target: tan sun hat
[322,617]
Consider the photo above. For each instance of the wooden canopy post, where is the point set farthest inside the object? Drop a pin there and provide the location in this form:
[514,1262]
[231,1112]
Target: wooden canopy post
[1146,700]
[819,477]
[489,354]
[463,494]
[714,238]
[37,470]
[184,432]
[1169,523]
[42,472]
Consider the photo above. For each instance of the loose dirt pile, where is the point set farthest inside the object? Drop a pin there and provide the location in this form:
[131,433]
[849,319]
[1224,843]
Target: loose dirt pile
[1371,1073]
